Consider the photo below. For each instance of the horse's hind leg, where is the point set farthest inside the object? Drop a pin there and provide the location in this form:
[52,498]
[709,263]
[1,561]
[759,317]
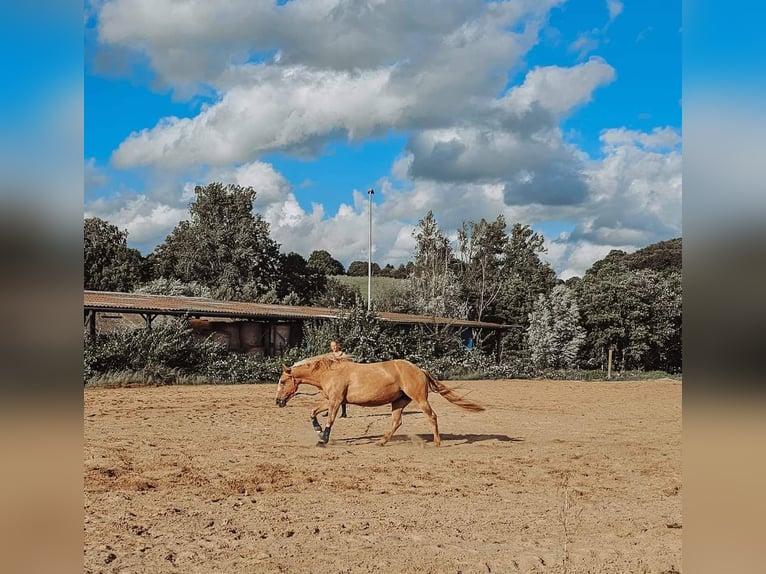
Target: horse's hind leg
[429,412]
[396,417]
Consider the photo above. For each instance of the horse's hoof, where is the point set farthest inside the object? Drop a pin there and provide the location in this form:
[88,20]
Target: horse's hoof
[321,444]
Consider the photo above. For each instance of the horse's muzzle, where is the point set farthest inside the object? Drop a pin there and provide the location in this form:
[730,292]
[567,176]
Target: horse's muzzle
[281,402]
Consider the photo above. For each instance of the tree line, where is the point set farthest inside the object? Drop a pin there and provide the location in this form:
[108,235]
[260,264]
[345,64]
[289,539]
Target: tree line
[629,303]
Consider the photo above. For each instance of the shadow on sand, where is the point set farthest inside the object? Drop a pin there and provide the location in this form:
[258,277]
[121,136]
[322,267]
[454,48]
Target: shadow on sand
[457,438]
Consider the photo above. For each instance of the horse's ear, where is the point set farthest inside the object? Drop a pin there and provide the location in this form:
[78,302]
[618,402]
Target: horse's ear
[285,369]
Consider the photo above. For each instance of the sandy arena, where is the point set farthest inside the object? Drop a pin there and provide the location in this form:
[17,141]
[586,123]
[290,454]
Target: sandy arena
[556,476]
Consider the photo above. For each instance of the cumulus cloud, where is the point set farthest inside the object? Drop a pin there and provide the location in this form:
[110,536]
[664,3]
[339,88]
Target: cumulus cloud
[270,185]
[190,43]
[147,221]
[524,149]
[278,109]
[289,79]
[417,67]
[560,89]
[635,198]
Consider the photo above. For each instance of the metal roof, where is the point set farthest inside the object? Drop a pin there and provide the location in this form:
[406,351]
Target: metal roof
[109,301]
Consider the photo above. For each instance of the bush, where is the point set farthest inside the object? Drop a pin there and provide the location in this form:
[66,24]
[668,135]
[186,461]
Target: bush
[167,349]
[170,353]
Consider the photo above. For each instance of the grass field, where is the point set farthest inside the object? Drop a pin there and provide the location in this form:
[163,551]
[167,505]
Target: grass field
[380,285]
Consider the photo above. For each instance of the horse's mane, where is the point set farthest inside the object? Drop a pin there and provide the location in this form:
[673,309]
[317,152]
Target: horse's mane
[325,360]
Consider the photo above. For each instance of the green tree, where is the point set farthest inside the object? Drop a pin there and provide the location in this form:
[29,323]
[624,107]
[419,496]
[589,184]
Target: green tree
[387,271]
[525,276]
[433,284]
[224,246]
[483,247]
[324,262]
[109,264]
[173,287]
[403,271]
[636,313]
[337,295]
[664,256]
[554,334]
[361,268]
[298,280]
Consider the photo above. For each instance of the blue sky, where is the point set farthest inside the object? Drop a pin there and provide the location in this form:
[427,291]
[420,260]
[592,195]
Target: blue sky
[565,116]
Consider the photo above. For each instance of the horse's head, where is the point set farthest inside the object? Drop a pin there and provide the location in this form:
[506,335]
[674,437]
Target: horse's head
[287,386]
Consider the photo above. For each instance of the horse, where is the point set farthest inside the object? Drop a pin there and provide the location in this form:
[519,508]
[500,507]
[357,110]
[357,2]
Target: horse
[397,382]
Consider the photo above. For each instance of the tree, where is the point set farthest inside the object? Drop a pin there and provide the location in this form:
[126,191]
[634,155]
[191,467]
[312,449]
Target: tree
[109,264]
[554,334]
[173,287]
[403,271]
[387,271]
[324,262]
[298,280]
[361,269]
[637,313]
[483,248]
[664,256]
[525,276]
[337,295]
[224,246]
[433,284]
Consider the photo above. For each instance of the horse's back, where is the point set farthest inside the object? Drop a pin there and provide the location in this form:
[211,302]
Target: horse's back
[394,368]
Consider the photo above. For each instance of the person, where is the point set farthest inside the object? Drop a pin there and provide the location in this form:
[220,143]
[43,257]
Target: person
[338,353]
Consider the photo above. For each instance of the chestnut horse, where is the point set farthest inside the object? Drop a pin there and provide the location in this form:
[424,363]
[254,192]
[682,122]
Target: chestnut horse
[369,385]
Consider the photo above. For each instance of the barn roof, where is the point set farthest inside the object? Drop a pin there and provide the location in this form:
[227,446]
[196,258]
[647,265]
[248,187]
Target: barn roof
[109,301]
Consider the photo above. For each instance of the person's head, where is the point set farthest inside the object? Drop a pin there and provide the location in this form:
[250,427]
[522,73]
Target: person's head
[334,346]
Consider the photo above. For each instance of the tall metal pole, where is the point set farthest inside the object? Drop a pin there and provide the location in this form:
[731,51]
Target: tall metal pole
[370,193]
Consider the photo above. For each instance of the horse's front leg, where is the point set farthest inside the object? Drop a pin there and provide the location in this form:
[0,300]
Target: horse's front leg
[333,405]
[320,408]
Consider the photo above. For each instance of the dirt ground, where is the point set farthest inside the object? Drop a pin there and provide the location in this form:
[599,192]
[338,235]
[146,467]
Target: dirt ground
[555,476]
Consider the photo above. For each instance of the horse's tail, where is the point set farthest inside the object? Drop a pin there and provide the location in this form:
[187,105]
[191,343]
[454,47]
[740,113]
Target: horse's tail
[438,387]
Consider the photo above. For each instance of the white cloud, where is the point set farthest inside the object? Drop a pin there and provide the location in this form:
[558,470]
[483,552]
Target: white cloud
[279,109]
[291,78]
[95,177]
[585,43]
[191,43]
[635,199]
[659,138]
[615,9]
[146,220]
[410,66]
[560,89]
[270,186]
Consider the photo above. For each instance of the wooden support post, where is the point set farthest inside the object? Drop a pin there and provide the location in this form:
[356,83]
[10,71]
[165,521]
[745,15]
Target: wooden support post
[90,322]
[609,365]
